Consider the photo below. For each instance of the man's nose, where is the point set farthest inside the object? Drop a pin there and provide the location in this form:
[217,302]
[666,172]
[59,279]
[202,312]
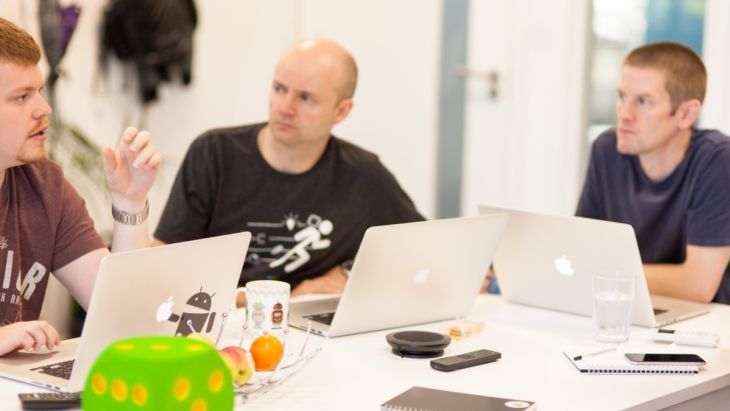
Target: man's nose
[42,108]
[287,105]
[624,111]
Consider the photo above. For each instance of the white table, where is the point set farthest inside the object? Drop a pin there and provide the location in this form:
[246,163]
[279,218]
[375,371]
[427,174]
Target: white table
[359,372]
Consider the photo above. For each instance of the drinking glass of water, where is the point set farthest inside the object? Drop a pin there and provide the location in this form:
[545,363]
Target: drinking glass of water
[613,295]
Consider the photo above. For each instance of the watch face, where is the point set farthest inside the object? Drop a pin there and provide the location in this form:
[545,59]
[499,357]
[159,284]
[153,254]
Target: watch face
[346,267]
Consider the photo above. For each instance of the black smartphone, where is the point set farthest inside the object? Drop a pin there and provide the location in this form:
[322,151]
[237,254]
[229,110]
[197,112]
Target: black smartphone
[469,359]
[664,359]
[50,400]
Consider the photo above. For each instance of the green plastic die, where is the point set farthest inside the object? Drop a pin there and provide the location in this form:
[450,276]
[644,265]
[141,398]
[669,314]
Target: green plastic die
[160,374]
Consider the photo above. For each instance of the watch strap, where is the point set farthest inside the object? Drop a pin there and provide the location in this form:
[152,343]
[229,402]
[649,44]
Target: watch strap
[128,218]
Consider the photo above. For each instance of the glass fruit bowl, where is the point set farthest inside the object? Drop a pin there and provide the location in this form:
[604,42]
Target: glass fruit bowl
[295,357]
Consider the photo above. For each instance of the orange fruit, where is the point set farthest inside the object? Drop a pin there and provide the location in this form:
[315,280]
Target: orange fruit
[266,351]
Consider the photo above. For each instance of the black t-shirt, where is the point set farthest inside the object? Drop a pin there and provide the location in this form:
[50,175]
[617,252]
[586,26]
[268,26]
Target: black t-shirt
[690,206]
[302,225]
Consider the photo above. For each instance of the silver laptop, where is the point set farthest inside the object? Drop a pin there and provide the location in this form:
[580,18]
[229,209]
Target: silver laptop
[408,274]
[549,261]
[167,290]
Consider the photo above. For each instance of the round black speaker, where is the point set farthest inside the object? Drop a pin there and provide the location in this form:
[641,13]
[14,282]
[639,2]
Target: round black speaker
[418,344]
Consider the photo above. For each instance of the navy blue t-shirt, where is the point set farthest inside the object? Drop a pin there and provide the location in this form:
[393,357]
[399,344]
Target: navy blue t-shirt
[690,206]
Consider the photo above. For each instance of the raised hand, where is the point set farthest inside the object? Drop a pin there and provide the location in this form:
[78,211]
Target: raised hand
[131,169]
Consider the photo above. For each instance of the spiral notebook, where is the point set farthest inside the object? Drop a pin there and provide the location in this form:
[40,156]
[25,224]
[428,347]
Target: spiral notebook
[614,363]
[429,399]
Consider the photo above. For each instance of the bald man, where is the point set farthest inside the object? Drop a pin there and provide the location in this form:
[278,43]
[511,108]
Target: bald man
[306,196]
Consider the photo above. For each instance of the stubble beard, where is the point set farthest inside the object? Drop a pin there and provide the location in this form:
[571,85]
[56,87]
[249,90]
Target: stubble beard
[34,151]
[624,146]
[36,155]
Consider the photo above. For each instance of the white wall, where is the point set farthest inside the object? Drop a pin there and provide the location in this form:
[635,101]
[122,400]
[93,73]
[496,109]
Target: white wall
[716,54]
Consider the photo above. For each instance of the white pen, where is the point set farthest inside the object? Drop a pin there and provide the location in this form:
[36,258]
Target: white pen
[592,353]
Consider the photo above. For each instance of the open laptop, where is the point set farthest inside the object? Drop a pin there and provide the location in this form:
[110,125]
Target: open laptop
[407,274]
[153,291]
[549,261]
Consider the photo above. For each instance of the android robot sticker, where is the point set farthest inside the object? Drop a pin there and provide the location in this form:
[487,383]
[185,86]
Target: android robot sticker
[195,316]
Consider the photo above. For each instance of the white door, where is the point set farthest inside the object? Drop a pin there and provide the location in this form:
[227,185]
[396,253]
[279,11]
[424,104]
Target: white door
[524,128]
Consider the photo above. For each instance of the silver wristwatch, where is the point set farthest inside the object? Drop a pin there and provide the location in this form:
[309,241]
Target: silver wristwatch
[346,267]
[127,218]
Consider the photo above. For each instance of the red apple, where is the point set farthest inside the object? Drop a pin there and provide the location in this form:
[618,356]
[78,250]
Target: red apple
[236,358]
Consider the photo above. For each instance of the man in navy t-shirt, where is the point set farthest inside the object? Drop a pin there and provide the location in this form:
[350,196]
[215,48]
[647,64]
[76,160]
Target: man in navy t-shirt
[670,181]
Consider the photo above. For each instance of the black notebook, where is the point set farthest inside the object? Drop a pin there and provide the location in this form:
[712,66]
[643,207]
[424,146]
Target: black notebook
[428,399]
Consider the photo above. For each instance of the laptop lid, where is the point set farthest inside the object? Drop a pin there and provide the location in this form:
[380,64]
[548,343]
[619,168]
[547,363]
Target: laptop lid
[412,273]
[549,261]
[152,291]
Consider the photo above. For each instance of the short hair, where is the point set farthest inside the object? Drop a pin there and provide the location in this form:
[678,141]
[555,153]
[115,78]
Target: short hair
[17,46]
[686,76]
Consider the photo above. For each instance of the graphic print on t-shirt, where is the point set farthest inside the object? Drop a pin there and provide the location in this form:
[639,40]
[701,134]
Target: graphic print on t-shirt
[25,285]
[268,248]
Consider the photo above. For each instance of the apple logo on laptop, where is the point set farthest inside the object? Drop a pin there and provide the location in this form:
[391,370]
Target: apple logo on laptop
[564,266]
[164,311]
[421,276]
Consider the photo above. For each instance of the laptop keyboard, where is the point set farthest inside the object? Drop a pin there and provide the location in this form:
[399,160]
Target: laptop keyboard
[60,369]
[323,318]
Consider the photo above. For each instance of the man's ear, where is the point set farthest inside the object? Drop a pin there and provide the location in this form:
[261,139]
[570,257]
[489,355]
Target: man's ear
[689,112]
[343,109]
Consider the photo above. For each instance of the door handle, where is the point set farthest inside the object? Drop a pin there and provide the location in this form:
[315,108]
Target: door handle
[490,76]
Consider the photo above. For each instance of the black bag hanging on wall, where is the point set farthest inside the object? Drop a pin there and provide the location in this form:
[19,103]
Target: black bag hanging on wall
[155,35]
